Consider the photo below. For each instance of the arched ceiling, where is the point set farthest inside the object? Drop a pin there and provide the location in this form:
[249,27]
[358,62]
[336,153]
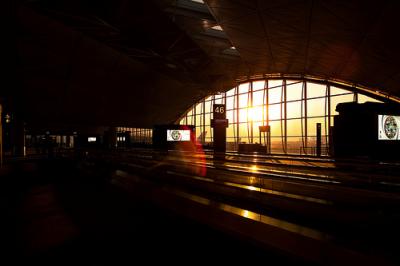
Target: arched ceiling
[355,41]
[140,63]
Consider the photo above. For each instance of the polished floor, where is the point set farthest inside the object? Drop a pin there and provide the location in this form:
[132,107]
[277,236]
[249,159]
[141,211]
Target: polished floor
[57,213]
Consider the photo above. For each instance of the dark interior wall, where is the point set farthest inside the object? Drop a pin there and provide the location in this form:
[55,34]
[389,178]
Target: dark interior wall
[134,63]
[356,131]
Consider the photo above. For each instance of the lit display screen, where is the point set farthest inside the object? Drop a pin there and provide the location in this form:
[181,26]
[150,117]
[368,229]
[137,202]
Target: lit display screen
[91,139]
[178,135]
[388,127]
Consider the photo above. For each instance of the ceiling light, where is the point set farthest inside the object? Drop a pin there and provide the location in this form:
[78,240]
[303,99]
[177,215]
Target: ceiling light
[217,27]
[231,51]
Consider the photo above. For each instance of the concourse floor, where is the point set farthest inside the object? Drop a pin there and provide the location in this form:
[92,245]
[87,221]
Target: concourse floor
[56,214]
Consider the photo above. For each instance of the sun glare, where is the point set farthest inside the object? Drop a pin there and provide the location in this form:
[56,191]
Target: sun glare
[255,113]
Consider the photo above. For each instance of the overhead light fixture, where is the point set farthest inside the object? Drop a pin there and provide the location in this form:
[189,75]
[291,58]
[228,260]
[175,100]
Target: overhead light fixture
[198,1]
[231,51]
[217,27]
[215,31]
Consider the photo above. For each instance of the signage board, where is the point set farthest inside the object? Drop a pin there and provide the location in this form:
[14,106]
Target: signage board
[178,135]
[388,127]
[219,111]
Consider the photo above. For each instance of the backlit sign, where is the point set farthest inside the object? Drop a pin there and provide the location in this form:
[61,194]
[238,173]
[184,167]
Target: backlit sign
[178,135]
[219,111]
[388,127]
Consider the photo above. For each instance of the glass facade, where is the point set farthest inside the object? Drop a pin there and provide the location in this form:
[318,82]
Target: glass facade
[137,135]
[292,109]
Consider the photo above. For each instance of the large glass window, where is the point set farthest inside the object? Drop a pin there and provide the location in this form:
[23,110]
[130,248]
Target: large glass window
[244,88]
[294,109]
[230,103]
[243,100]
[262,102]
[274,111]
[275,95]
[135,135]
[258,85]
[294,91]
[258,98]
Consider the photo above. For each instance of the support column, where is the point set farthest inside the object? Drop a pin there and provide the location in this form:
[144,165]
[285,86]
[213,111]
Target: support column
[1,135]
[68,141]
[319,137]
[113,137]
[127,135]
[250,95]
[330,127]
[18,138]
[285,115]
[219,127]
[305,118]
[219,124]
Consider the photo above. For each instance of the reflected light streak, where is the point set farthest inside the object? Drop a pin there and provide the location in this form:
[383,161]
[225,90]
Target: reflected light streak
[190,196]
[254,169]
[295,228]
[252,180]
[288,195]
[194,147]
[251,188]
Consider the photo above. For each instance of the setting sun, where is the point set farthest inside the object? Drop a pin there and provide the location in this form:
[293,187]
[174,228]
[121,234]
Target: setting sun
[255,113]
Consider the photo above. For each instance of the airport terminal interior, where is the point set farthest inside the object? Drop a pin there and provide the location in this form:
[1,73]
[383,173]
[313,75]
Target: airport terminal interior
[200,131]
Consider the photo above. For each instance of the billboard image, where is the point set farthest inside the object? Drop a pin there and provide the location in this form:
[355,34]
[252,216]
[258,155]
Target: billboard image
[92,139]
[388,127]
[178,135]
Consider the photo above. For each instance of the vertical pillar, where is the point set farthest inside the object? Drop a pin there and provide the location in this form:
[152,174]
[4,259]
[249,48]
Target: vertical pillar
[18,137]
[250,95]
[284,115]
[355,96]
[319,137]
[305,118]
[68,141]
[219,135]
[331,140]
[266,91]
[203,126]
[72,140]
[330,131]
[237,116]
[127,135]
[1,135]
[113,137]
[219,123]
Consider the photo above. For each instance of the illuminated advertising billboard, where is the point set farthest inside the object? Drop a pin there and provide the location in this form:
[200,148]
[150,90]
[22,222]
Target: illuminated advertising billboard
[178,135]
[92,139]
[388,127]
